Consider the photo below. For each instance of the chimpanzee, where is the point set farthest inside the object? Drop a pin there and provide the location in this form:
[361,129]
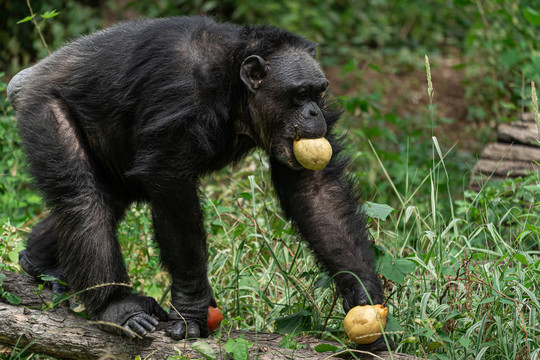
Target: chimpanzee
[138,112]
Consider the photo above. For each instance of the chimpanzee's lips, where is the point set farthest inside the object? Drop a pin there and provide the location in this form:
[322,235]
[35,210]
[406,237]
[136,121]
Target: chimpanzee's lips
[284,154]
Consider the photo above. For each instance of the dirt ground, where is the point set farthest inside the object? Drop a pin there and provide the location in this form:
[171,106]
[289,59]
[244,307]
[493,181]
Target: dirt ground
[405,93]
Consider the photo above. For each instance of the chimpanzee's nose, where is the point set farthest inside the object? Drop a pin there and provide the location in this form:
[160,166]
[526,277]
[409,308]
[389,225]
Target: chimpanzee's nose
[313,124]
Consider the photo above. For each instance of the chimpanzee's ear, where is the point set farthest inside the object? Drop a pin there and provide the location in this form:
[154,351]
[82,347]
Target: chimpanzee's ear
[252,72]
[313,51]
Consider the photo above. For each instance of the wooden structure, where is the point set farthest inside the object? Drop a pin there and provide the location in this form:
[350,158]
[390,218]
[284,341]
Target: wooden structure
[516,153]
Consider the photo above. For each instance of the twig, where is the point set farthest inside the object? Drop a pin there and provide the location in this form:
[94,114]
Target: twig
[37,26]
[334,301]
[356,351]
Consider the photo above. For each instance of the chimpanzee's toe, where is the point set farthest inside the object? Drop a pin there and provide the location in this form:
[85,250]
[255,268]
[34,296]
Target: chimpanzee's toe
[141,324]
[177,330]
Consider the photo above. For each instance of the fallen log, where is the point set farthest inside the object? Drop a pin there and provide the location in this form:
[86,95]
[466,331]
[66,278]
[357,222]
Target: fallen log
[60,333]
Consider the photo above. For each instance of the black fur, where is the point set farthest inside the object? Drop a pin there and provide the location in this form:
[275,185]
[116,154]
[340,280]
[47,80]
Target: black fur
[139,112]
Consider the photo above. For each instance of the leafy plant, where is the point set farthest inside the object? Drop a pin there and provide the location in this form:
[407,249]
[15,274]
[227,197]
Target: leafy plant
[204,349]
[238,348]
[10,298]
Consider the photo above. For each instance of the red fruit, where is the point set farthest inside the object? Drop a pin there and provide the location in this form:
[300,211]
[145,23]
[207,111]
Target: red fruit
[214,318]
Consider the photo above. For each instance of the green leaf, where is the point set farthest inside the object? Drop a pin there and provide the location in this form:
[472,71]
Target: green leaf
[377,68]
[465,342]
[26,19]
[531,15]
[287,342]
[396,269]
[244,195]
[294,323]
[33,199]
[350,66]
[377,211]
[49,14]
[522,259]
[50,278]
[325,347]
[12,299]
[535,188]
[13,256]
[392,324]
[238,348]
[58,298]
[405,266]
[204,349]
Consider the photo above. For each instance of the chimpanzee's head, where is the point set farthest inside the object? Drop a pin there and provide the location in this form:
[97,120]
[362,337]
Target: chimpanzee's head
[285,100]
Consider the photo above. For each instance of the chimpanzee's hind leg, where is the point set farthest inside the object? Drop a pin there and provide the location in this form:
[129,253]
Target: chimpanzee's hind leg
[40,255]
[86,210]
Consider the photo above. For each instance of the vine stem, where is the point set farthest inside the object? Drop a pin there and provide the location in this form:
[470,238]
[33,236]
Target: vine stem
[37,26]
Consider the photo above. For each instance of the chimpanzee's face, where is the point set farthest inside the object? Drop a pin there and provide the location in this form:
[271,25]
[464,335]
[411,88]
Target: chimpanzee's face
[285,101]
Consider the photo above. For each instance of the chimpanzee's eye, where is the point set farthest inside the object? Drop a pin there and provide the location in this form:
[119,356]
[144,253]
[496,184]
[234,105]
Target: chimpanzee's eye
[302,94]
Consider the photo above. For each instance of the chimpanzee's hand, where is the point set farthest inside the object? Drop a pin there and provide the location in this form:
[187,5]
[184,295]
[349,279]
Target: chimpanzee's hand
[134,314]
[354,294]
[379,345]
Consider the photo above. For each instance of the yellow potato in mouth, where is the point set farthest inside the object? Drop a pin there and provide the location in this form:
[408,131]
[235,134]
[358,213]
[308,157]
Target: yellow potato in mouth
[313,154]
[364,324]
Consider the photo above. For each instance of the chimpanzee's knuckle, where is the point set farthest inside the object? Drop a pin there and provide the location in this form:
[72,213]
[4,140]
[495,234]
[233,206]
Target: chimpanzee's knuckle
[176,330]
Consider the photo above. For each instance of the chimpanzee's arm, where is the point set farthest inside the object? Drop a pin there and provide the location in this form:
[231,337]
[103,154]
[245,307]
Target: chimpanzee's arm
[325,212]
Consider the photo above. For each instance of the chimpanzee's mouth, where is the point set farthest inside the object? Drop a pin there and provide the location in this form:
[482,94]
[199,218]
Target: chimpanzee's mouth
[285,154]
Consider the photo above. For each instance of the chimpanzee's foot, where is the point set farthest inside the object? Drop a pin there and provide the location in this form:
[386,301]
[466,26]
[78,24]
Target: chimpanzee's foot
[29,267]
[194,325]
[132,315]
[189,310]
[178,331]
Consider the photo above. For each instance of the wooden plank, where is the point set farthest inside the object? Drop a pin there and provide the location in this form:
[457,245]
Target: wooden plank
[504,151]
[504,167]
[524,133]
[528,116]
